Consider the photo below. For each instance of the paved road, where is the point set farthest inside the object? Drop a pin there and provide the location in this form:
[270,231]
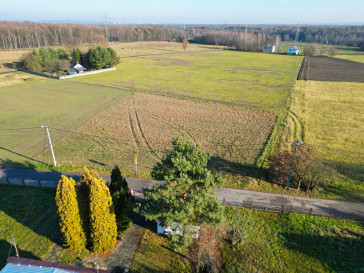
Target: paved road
[236,196]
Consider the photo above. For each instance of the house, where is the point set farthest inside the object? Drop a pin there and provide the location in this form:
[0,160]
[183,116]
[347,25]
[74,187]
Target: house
[294,51]
[269,49]
[77,68]
[23,265]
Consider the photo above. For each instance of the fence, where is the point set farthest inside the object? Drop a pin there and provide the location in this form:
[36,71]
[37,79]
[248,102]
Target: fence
[70,76]
[245,204]
[288,208]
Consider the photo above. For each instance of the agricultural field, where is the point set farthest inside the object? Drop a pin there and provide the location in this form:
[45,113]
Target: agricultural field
[250,80]
[142,125]
[267,242]
[331,114]
[331,69]
[58,104]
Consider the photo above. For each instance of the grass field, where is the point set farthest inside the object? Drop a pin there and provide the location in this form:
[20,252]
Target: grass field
[154,255]
[269,243]
[29,214]
[62,104]
[331,114]
[252,80]
[143,124]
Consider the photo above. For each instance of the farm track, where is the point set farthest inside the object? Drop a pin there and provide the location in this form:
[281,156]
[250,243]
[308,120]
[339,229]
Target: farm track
[132,112]
[298,132]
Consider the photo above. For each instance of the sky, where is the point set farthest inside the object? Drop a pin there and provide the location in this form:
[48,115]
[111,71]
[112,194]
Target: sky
[186,11]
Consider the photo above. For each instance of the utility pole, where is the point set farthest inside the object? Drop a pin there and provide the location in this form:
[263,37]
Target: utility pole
[13,241]
[294,157]
[136,165]
[50,143]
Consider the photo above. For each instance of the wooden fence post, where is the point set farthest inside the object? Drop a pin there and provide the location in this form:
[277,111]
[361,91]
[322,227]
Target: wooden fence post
[243,204]
[7,180]
[40,184]
[330,216]
[223,201]
[266,207]
[352,216]
[251,205]
[310,211]
[281,211]
[290,209]
[23,182]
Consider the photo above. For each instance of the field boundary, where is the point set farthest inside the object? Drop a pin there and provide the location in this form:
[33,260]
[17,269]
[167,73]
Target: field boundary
[70,76]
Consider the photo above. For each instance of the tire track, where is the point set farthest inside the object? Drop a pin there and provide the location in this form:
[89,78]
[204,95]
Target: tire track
[135,114]
[298,128]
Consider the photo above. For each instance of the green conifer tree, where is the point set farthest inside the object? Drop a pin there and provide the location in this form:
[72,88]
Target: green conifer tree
[121,198]
[70,221]
[103,230]
[187,199]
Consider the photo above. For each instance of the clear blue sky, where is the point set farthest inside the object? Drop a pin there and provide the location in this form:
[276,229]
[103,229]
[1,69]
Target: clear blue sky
[186,11]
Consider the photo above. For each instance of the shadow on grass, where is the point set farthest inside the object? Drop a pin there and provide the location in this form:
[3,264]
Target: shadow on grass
[339,254]
[6,249]
[8,161]
[353,170]
[218,164]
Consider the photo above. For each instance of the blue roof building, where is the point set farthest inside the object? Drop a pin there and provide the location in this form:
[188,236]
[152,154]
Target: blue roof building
[294,51]
[17,265]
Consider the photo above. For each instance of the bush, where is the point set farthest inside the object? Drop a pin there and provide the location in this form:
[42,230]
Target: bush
[304,175]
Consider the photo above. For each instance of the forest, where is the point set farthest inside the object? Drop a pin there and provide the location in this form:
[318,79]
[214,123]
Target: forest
[14,35]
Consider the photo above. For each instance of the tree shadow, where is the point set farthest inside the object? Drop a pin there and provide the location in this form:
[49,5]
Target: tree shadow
[5,252]
[218,164]
[353,170]
[96,162]
[340,254]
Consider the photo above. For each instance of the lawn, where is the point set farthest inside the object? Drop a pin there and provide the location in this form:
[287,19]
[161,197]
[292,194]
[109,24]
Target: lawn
[31,215]
[143,124]
[58,104]
[268,242]
[155,255]
[331,114]
[251,80]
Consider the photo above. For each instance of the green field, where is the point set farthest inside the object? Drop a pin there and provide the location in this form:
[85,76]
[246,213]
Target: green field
[268,243]
[252,80]
[58,104]
[330,114]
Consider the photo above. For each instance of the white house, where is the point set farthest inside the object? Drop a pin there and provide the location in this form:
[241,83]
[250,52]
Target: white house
[77,68]
[269,49]
[294,51]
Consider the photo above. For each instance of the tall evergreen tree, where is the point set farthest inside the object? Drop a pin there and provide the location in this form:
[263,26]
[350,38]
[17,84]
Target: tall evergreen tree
[70,220]
[103,230]
[187,199]
[121,197]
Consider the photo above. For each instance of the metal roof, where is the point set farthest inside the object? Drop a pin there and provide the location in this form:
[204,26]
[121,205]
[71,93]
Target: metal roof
[15,268]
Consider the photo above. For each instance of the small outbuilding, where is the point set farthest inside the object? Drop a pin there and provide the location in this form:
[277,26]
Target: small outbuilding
[269,49]
[294,51]
[77,68]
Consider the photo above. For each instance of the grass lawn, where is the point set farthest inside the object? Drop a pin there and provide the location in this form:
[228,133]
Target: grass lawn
[155,255]
[268,243]
[31,215]
[58,104]
[331,114]
[252,80]
[292,243]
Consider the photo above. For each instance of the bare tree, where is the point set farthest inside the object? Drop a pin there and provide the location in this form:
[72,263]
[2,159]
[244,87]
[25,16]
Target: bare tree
[185,44]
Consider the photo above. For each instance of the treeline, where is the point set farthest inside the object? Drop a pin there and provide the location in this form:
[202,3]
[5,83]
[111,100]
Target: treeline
[52,60]
[15,35]
[242,41]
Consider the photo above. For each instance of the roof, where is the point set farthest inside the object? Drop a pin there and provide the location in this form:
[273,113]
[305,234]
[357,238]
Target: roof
[78,67]
[294,47]
[16,265]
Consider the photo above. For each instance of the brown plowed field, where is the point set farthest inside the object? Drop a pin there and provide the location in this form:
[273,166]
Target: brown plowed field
[331,70]
[142,124]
